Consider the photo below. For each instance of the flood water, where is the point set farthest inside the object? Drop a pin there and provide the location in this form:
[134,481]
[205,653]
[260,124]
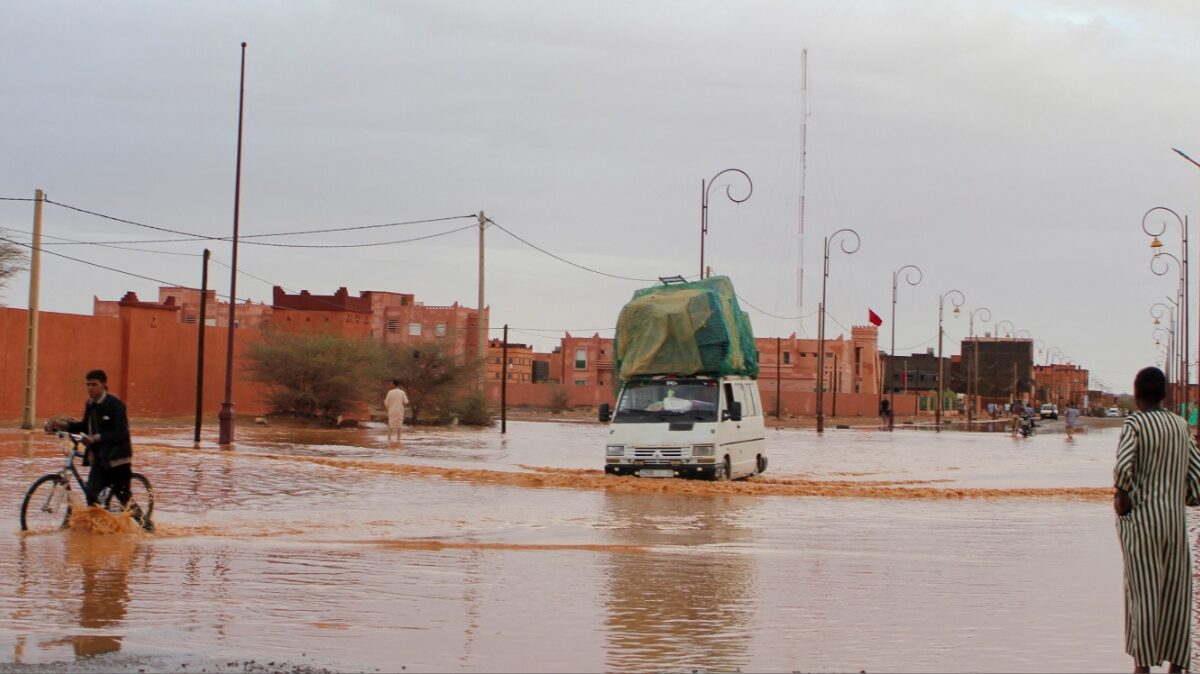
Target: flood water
[467,550]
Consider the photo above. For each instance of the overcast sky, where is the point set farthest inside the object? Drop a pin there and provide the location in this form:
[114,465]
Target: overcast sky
[1009,149]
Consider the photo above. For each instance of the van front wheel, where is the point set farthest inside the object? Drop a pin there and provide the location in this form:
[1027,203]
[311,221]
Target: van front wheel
[726,470]
[761,464]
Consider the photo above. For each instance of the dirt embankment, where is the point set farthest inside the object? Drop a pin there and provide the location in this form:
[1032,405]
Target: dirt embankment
[543,477]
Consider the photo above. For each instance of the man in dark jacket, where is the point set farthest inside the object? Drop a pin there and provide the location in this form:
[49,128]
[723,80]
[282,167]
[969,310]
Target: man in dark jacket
[106,426]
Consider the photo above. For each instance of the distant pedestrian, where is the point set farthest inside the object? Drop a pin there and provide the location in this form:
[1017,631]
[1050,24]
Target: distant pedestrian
[394,403]
[885,409]
[1017,410]
[1157,473]
[1071,417]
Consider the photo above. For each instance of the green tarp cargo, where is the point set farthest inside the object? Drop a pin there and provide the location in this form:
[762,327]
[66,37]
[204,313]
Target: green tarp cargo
[685,329]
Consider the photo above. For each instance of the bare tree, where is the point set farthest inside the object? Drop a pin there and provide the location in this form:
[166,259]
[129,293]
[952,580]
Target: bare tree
[12,261]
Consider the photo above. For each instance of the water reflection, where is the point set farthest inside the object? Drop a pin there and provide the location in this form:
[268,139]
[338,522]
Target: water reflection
[690,605]
[96,572]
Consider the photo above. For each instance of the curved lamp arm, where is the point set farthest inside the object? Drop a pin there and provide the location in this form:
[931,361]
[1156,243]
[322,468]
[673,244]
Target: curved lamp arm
[1154,263]
[1146,227]
[845,240]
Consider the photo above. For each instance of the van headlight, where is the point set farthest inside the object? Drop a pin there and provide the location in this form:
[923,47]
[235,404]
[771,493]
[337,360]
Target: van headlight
[703,450]
[614,450]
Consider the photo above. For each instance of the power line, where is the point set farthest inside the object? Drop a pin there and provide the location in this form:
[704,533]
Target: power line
[17,199]
[65,242]
[563,259]
[97,265]
[128,222]
[743,300]
[193,236]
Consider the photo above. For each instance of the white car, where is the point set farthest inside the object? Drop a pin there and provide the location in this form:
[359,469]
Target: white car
[1049,411]
[1113,412]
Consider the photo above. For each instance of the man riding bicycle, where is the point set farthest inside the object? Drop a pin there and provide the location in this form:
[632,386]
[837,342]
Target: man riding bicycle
[106,428]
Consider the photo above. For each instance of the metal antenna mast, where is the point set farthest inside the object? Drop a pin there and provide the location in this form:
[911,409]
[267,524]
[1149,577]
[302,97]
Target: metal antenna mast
[803,170]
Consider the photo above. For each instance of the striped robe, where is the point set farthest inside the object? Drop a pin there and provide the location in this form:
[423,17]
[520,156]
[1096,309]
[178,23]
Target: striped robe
[1159,465]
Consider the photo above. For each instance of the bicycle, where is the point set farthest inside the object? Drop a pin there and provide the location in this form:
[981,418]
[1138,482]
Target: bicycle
[47,504]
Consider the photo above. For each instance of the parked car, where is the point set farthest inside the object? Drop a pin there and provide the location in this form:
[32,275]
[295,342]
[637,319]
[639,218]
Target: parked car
[1113,412]
[1049,411]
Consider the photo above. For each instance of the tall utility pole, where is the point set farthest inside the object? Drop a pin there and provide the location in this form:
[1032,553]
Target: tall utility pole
[29,412]
[803,172]
[481,330]
[226,415]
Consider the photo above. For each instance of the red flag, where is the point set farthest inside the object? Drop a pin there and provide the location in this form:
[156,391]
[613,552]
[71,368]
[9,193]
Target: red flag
[874,318]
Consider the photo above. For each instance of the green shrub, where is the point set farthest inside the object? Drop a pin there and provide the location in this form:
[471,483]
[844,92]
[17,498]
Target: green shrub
[314,375]
[474,410]
[433,377]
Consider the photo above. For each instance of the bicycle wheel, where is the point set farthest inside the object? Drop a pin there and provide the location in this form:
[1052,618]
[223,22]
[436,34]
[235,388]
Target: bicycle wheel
[141,500]
[46,506]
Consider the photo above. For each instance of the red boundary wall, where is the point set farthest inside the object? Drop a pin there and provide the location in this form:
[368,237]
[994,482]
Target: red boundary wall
[149,357]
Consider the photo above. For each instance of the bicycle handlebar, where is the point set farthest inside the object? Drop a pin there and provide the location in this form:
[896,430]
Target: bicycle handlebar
[75,438]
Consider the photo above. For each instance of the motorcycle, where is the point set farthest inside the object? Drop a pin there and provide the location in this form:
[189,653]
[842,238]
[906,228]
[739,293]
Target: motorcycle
[1027,427]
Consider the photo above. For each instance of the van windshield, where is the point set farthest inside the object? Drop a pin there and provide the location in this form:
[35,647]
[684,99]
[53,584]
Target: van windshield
[671,400]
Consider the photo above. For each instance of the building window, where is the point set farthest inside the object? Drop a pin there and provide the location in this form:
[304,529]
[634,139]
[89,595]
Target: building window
[439,330]
[393,325]
[581,382]
[787,357]
[190,319]
[580,359]
[414,329]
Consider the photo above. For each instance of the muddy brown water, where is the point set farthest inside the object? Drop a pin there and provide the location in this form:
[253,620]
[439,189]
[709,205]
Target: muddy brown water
[467,550]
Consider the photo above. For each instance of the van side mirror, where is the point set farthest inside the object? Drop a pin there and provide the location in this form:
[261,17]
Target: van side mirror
[605,412]
[734,413]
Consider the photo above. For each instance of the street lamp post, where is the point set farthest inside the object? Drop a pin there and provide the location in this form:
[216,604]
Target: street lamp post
[1011,328]
[1188,330]
[912,278]
[1184,290]
[972,379]
[821,317]
[1179,353]
[957,302]
[705,187]
[226,415]
[1157,311]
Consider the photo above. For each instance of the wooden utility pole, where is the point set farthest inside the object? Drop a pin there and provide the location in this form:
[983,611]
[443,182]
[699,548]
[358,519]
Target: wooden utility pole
[833,386]
[29,413]
[200,345]
[778,382]
[481,330]
[504,382]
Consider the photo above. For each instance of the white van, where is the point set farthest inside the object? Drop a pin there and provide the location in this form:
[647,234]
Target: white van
[668,426]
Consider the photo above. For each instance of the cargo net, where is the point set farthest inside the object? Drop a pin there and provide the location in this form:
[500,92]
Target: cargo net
[685,329]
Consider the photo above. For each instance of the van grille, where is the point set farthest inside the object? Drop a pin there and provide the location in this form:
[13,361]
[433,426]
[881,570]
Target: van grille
[657,454]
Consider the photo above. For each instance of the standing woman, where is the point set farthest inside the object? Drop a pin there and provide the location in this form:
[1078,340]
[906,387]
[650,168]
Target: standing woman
[1157,474]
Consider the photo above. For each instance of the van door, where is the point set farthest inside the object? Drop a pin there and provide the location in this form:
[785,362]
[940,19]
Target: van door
[730,433]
